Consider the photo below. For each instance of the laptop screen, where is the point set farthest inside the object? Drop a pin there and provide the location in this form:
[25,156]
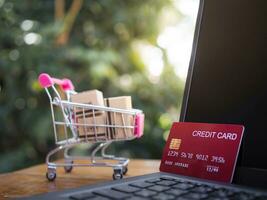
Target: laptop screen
[227,78]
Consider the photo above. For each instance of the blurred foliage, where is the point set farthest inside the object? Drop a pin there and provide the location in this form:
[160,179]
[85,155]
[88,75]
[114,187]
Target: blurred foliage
[99,53]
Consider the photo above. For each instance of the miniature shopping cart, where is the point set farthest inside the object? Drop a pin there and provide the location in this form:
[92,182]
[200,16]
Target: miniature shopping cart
[67,130]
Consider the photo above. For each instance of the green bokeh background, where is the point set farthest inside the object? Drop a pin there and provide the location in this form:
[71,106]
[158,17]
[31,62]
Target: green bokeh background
[99,54]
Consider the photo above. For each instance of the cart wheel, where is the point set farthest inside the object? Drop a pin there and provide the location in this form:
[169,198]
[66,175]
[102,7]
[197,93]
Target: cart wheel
[117,176]
[125,170]
[68,169]
[51,176]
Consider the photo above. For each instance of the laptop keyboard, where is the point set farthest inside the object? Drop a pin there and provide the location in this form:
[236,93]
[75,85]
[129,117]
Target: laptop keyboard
[166,188]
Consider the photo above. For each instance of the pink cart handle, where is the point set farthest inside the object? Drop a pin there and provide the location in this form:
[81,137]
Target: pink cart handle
[139,125]
[47,81]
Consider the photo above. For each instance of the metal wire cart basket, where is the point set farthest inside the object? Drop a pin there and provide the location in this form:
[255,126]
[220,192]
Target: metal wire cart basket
[73,127]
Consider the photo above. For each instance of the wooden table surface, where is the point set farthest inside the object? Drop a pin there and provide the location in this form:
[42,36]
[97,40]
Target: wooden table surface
[32,180]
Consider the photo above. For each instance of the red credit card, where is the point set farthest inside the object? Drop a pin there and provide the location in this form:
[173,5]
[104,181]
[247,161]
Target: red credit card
[202,150]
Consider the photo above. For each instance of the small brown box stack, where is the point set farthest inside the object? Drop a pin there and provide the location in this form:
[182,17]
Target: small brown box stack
[119,119]
[88,119]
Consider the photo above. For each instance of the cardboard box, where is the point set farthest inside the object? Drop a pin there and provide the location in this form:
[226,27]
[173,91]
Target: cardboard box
[91,131]
[119,119]
[94,97]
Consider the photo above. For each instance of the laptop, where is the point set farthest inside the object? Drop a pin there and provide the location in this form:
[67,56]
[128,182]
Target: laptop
[226,84]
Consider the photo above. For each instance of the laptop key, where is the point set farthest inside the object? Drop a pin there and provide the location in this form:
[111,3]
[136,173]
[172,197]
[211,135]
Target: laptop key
[202,189]
[167,178]
[141,184]
[81,196]
[158,188]
[166,183]
[194,195]
[98,198]
[183,186]
[176,192]
[163,196]
[183,198]
[91,197]
[243,196]
[153,180]
[222,193]
[145,193]
[126,188]
[110,193]
[137,198]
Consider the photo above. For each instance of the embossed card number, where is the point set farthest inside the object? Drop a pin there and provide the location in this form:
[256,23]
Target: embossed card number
[202,150]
